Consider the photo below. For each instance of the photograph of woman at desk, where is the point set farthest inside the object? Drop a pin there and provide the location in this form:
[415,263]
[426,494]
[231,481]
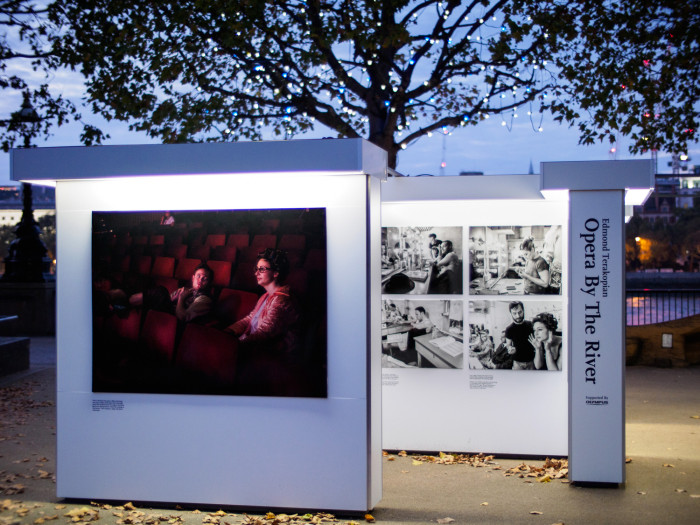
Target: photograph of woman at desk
[422,334]
[515,260]
[422,260]
[530,336]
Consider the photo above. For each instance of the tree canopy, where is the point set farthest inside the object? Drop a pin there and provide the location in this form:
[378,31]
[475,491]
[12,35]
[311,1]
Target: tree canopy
[626,68]
[390,71]
[26,65]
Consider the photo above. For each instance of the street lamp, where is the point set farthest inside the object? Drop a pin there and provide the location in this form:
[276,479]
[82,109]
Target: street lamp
[26,261]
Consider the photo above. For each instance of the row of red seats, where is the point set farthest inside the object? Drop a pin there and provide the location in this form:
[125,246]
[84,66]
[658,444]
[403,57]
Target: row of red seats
[287,241]
[203,348]
[172,273]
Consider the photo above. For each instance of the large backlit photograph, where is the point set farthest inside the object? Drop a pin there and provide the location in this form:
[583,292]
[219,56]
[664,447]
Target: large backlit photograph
[223,302]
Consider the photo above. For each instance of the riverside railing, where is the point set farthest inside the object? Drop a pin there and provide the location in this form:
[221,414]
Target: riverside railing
[657,306]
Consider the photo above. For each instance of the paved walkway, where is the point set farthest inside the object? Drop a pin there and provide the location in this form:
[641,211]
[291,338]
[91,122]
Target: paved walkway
[663,476]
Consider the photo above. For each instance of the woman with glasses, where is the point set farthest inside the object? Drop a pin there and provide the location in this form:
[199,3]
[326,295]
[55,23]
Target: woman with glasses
[270,323]
[547,344]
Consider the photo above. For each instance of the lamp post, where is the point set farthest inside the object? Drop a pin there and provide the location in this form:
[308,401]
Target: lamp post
[26,261]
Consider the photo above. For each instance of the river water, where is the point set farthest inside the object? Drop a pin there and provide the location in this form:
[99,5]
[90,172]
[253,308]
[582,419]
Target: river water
[652,306]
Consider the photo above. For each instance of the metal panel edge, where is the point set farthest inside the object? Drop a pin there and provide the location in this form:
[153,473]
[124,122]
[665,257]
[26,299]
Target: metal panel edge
[79,162]
[398,189]
[597,175]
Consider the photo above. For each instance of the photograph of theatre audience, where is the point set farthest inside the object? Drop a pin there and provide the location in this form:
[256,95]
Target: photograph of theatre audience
[515,335]
[226,302]
[422,334]
[421,260]
[515,260]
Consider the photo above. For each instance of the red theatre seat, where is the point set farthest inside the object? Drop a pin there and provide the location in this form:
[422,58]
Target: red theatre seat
[163,267]
[292,242]
[244,277]
[224,253]
[199,251]
[142,265]
[158,334]
[260,242]
[239,240]
[222,272]
[208,352]
[234,305]
[177,251]
[126,328]
[185,268]
[216,239]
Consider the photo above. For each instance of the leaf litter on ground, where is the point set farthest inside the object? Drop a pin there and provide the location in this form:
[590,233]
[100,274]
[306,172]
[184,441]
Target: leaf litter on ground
[551,469]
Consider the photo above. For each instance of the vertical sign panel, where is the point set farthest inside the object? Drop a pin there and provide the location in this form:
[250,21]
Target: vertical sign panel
[596,364]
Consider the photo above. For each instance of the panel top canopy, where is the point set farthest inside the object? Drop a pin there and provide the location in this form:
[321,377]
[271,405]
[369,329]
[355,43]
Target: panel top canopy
[331,156]
[598,175]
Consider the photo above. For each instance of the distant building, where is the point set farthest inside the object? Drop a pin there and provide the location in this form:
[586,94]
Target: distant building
[43,198]
[672,193]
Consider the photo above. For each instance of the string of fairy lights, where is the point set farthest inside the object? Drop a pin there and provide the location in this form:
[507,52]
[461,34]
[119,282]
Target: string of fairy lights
[258,77]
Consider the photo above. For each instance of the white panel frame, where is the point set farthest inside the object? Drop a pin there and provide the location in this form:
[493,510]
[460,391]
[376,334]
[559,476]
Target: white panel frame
[435,409]
[224,450]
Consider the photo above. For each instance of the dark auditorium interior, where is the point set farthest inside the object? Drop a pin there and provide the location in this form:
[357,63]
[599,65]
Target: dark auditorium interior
[139,350]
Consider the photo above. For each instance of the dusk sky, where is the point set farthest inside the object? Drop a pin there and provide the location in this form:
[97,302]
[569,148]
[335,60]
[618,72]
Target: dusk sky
[489,147]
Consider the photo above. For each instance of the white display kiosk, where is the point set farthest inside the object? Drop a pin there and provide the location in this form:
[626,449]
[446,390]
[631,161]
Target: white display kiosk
[457,401]
[268,452]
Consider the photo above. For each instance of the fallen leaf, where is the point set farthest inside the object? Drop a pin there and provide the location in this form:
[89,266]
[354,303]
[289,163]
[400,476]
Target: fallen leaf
[369,518]
[681,490]
[484,503]
[694,417]
[628,460]
[417,463]
[403,454]
[390,458]
[269,516]
[695,495]
[129,506]
[535,512]
[445,520]
[669,465]
[641,492]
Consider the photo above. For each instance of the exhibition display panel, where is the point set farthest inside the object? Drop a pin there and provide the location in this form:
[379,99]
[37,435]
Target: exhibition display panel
[166,393]
[463,300]
[489,301]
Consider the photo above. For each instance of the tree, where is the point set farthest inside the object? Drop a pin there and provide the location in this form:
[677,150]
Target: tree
[627,68]
[392,71]
[25,41]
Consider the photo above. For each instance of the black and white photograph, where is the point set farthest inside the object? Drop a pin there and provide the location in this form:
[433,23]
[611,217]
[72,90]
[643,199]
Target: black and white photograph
[515,260]
[223,302]
[422,334]
[421,260]
[515,335]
